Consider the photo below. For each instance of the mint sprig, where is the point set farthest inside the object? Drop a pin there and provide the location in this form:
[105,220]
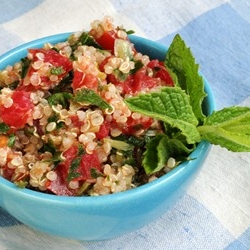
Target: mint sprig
[180,110]
[229,128]
[181,61]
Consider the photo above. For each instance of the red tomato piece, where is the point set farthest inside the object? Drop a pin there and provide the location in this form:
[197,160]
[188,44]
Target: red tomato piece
[132,125]
[75,121]
[55,59]
[161,72]
[59,186]
[104,62]
[18,113]
[7,172]
[84,80]
[142,80]
[88,162]
[136,82]
[103,131]
[107,40]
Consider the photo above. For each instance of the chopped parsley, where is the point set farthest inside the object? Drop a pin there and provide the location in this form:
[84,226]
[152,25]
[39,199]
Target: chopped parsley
[57,70]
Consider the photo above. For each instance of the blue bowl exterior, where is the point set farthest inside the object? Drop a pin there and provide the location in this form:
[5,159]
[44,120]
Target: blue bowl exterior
[103,217]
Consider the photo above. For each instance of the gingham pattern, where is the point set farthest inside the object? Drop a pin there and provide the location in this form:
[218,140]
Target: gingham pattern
[215,212]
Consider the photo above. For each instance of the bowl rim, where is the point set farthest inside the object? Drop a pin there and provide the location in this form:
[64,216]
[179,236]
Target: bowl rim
[202,148]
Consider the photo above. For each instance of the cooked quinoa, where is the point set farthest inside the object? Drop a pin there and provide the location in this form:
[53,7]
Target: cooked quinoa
[65,127]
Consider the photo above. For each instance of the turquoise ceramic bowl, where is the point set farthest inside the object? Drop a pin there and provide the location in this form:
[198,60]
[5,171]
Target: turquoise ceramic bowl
[103,217]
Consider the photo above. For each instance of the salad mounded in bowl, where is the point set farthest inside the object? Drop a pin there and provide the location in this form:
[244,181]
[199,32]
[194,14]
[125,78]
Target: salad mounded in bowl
[92,116]
[102,131]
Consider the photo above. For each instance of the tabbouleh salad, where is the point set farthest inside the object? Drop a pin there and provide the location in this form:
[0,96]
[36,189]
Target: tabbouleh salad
[93,116]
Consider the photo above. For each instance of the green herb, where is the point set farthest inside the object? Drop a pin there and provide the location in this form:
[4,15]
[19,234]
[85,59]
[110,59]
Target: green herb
[54,118]
[89,96]
[80,150]
[82,189]
[156,154]
[120,75]
[171,105]
[56,158]
[158,151]
[138,65]
[73,167]
[14,85]
[4,127]
[75,164]
[120,145]
[84,39]
[60,98]
[64,85]
[56,155]
[229,128]
[95,173]
[21,183]
[129,32]
[11,140]
[180,60]
[57,70]
[25,66]
[135,141]
[180,110]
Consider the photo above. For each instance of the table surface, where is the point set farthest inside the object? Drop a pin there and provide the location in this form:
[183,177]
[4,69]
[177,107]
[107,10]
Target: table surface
[215,211]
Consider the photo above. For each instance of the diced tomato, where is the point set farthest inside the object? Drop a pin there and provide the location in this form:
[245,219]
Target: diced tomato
[56,59]
[104,62]
[84,80]
[103,131]
[132,125]
[52,57]
[75,121]
[87,163]
[161,72]
[19,112]
[142,80]
[136,82]
[107,40]
[7,173]
[59,186]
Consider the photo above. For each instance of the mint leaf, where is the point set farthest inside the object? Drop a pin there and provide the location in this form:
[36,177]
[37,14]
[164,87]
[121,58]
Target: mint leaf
[156,155]
[170,105]
[229,128]
[89,96]
[180,60]
[158,151]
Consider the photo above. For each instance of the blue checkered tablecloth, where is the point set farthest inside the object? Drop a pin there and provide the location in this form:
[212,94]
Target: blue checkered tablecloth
[215,211]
